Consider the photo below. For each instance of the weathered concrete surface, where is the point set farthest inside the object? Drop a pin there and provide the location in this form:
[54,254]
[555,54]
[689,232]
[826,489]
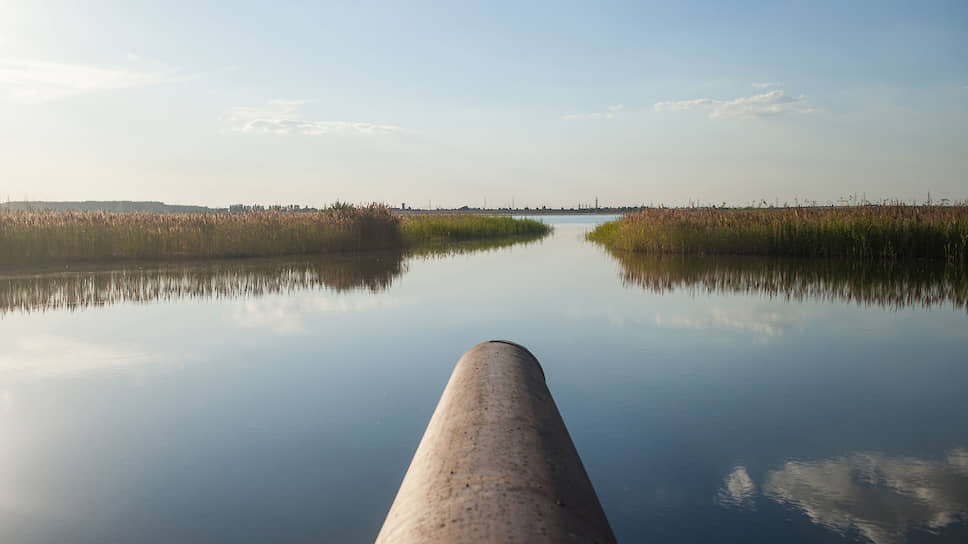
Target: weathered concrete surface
[496,463]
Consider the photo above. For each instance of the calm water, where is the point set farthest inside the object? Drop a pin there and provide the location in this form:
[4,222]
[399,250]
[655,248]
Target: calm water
[726,400]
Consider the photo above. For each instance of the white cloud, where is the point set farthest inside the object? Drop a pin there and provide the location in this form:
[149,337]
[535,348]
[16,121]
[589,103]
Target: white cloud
[767,85]
[132,57]
[768,104]
[33,81]
[281,117]
[609,113]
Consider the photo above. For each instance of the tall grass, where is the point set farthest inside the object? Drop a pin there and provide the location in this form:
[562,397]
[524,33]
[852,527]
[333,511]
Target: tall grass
[431,229]
[892,232]
[50,237]
[54,287]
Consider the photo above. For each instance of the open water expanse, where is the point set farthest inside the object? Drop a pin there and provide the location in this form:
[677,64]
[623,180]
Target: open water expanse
[717,400]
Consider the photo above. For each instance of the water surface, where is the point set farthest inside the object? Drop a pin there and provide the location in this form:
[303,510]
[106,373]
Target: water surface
[282,400]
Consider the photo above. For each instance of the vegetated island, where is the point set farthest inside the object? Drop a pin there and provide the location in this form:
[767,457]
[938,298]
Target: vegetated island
[48,237]
[867,232]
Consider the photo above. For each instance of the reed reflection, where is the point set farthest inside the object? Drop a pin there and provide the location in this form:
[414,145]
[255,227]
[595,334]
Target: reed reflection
[87,287]
[892,285]
[26,290]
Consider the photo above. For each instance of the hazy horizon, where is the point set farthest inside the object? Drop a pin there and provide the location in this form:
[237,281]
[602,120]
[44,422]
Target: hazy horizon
[546,104]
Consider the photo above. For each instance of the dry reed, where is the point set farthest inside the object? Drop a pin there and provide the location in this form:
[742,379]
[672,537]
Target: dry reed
[892,232]
[49,237]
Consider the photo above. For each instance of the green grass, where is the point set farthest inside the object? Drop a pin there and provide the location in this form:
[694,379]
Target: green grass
[865,232]
[38,238]
[434,229]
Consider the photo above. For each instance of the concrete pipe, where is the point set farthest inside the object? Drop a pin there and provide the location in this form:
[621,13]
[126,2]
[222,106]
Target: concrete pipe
[496,463]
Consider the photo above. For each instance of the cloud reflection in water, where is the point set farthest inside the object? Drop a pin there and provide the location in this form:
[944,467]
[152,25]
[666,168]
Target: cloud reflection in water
[51,356]
[877,496]
[738,490]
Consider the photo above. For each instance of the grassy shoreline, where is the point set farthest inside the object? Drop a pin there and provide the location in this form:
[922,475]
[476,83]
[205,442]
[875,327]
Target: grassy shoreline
[864,232]
[37,238]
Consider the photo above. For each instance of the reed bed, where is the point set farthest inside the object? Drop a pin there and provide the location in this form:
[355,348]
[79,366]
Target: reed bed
[48,237]
[432,229]
[867,232]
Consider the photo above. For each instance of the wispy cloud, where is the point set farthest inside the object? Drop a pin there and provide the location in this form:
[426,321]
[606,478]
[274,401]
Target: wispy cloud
[767,85]
[607,114]
[32,81]
[768,104]
[282,117]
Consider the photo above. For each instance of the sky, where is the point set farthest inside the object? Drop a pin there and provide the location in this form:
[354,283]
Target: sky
[467,103]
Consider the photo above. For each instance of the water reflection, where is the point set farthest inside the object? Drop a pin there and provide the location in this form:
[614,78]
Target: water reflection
[86,287]
[738,490]
[46,356]
[892,285]
[875,496]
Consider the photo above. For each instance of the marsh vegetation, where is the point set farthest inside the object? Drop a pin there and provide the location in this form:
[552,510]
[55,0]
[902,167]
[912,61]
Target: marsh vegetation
[867,232]
[49,237]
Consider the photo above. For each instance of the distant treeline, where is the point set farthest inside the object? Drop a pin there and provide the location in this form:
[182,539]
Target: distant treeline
[51,237]
[113,206]
[870,232]
[129,206]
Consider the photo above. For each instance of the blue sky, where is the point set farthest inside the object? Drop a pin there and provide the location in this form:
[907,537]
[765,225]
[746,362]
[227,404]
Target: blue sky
[454,102]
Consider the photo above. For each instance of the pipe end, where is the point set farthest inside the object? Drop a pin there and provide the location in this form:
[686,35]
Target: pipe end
[524,349]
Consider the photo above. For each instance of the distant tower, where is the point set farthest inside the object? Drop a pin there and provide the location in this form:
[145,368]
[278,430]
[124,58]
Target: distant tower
[403,205]
[596,202]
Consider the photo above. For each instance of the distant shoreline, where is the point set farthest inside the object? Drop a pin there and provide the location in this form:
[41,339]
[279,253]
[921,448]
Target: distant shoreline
[523,211]
[157,207]
[134,206]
